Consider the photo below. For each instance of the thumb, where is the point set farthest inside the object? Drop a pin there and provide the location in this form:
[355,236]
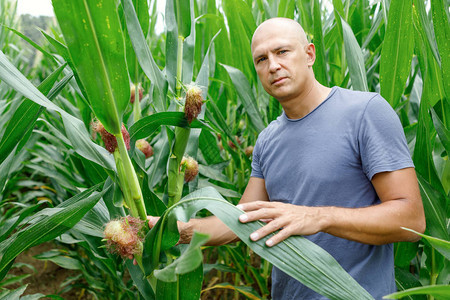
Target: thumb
[152,221]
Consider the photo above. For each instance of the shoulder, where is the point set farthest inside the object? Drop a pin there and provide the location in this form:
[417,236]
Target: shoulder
[358,105]
[355,99]
[272,129]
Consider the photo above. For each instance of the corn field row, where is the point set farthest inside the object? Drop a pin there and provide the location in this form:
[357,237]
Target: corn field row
[114,118]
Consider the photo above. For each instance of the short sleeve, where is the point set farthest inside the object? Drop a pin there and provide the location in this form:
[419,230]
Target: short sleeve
[382,142]
[256,166]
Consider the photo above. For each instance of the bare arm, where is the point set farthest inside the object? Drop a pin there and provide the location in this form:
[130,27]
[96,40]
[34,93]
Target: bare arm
[219,233]
[401,206]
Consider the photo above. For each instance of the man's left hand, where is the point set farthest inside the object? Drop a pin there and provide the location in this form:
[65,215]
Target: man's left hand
[288,218]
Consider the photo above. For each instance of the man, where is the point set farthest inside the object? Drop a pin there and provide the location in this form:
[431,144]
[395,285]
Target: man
[334,167]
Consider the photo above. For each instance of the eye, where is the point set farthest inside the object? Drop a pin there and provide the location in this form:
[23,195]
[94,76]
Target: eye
[261,59]
[282,51]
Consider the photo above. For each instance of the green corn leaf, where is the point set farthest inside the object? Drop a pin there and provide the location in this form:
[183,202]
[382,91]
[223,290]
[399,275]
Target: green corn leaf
[286,9]
[63,261]
[187,69]
[428,59]
[77,132]
[32,43]
[139,280]
[147,125]
[143,53]
[442,246]
[305,13]
[171,44]
[427,27]
[239,261]
[397,52]
[46,228]
[62,50]
[189,260]
[437,291]
[95,42]
[24,118]
[442,33]
[183,15]
[82,143]
[154,206]
[355,59]
[160,238]
[296,256]
[14,294]
[15,279]
[241,26]
[188,287]
[320,68]
[375,27]
[443,133]
[219,121]
[404,252]
[209,148]
[142,12]
[10,224]
[434,204]
[202,81]
[160,158]
[431,94]
[405,280]
[247,97]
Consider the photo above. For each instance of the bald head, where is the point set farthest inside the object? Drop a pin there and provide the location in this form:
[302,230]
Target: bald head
[284,26]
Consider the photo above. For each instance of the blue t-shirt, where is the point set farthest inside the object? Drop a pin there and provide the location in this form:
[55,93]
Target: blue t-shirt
[328,158]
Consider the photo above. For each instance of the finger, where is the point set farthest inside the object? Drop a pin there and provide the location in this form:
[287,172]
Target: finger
[152,221]
[279,237]
[134,262]
[265,230]
[262,213]
[266,220]
[254,205]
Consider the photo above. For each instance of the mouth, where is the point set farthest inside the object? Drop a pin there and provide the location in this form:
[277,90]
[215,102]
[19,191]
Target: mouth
[278,80]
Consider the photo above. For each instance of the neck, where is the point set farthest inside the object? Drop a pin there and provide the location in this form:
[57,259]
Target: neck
[306,102]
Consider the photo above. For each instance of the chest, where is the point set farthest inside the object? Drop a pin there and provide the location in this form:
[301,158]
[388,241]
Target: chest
[307,157]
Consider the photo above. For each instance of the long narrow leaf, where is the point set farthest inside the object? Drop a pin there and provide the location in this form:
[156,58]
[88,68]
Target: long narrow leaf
[141,48]
[355,59]
[248,99]
[45,229]
[434,204]
[189,260]
[320,68]
[443,246]
[442,33]
[397,52]
[25,117]
[95,42]
[79,137]
[433,290]
[146,126]
[296,256]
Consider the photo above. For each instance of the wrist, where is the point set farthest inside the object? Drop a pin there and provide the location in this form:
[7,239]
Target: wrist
[325,219]
[186,231]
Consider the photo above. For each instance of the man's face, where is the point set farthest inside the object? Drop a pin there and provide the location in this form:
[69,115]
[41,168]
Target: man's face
[281,61]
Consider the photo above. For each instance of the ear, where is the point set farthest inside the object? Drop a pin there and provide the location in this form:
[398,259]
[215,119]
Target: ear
[310,50]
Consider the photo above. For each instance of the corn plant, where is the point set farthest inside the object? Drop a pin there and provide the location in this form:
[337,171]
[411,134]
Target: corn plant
[105,53]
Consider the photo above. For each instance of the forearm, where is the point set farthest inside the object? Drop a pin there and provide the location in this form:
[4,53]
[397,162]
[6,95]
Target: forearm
[218,232]
[377,225]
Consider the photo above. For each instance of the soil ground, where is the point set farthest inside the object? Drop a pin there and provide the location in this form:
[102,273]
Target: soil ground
[48,277]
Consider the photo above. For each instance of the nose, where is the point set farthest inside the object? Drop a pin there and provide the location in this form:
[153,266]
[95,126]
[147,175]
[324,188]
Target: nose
[273,64]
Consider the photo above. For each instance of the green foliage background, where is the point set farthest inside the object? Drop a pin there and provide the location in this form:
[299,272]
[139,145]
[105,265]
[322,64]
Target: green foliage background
[48,159]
